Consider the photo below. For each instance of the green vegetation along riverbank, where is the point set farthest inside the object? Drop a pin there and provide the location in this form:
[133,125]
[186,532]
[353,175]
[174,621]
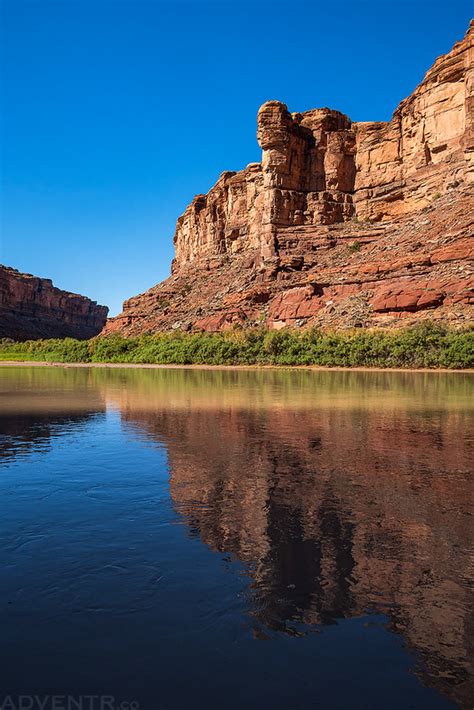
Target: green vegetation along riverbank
[425,345]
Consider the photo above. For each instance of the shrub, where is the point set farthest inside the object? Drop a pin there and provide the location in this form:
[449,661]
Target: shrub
[424,345]
[355,246]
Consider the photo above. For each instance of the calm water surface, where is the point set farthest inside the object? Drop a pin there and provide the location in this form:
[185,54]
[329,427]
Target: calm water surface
[237,539]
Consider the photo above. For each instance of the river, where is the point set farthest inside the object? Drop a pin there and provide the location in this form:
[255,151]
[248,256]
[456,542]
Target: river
[183,538]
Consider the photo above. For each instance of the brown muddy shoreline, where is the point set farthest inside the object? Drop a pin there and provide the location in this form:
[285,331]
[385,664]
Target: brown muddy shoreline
[153,366]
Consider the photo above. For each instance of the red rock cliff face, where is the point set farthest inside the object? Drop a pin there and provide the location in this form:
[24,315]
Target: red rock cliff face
[341,223]
[31,307]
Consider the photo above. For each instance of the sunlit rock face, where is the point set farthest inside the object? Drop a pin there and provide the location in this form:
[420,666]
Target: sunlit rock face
[31,307]
[320,168]
[428,145]
[400,190]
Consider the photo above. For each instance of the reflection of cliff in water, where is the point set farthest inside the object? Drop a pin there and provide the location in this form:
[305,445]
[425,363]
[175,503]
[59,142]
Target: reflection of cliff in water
[22,434]
[340,492]
[40,404]
[335,512]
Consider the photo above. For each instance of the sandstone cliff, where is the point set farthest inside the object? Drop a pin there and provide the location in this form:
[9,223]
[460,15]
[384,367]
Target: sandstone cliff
[341,224]
[31,307]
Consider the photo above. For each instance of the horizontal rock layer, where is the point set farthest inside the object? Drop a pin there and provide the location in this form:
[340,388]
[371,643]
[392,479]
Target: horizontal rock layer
[31,307]
[341,223]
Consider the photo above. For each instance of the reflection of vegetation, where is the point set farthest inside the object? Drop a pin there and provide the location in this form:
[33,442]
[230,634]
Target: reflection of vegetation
[155,390]
[171,389]
[425,345]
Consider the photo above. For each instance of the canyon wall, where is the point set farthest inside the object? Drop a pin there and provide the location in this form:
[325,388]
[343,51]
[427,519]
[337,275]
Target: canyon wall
[398,192]
[320,168]
[31,307]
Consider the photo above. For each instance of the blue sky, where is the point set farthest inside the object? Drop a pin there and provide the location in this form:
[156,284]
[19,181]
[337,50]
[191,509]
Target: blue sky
[117,112]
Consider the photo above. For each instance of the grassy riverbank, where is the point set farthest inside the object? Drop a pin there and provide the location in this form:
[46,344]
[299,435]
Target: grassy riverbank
[425,345]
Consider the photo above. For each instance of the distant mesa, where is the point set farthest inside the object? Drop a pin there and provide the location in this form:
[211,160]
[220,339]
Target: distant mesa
[342,224]
[31,308]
